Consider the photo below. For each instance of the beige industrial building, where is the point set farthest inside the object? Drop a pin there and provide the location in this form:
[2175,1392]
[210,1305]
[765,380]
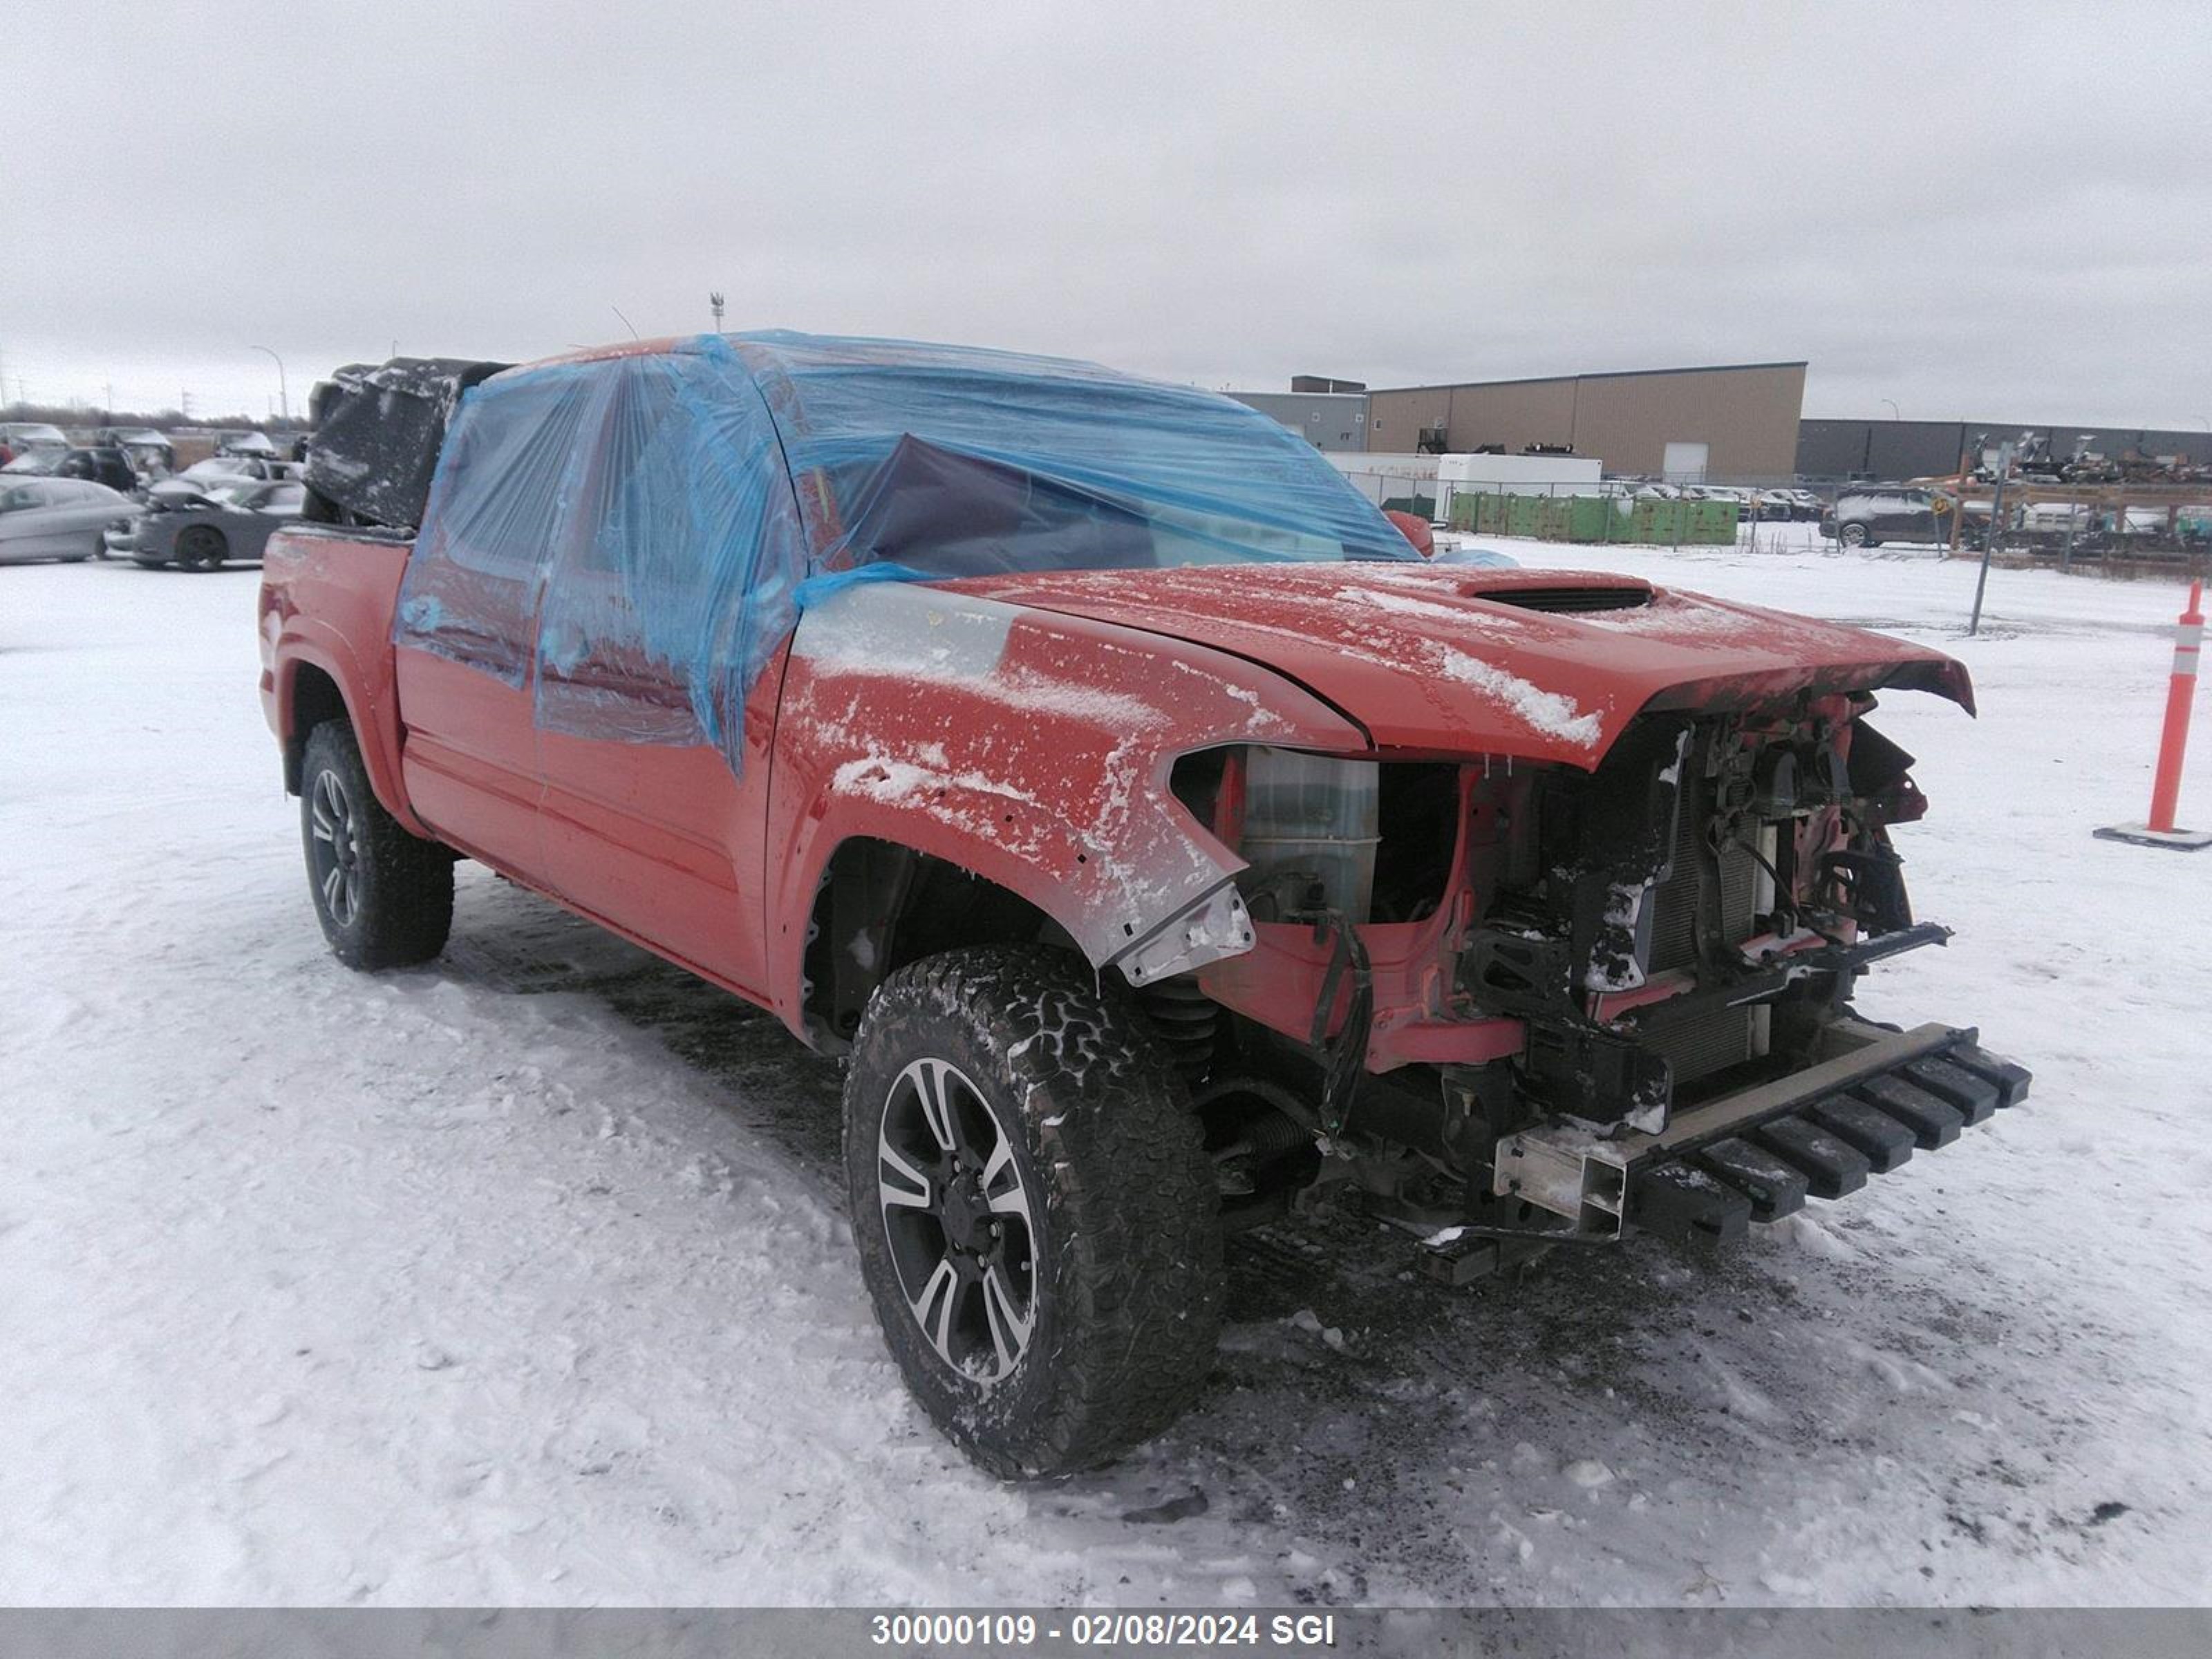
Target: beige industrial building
[1726,422]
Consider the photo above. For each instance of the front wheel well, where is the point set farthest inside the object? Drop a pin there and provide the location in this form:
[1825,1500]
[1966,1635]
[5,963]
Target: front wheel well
[315,698]
[880,907]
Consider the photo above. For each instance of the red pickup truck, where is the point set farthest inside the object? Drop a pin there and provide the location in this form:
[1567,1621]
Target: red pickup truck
[1160,842]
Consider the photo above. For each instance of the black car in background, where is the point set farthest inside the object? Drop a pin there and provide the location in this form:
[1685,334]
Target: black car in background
[105,463]
[230,518]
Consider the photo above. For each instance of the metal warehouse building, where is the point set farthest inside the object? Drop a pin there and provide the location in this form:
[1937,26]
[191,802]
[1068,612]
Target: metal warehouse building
[1918,449]
[1727,421]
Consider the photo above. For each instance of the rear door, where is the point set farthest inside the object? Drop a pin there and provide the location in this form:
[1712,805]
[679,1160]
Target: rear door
[465,626]
[92,508]
[271,507]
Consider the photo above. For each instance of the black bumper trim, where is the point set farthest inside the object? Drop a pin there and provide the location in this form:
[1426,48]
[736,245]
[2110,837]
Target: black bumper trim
[1756,1157]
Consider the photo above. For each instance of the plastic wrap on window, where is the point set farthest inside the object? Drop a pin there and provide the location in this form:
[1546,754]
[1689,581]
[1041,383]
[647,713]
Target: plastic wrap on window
[624,528]
[632,535]
[1069,465]
[496,503]
[675,581]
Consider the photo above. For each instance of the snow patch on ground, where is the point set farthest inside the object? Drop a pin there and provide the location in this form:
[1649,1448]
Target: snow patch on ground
[525,1277]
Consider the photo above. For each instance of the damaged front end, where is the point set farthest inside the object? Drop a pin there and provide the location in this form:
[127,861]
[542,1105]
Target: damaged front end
[1543,1004]
[1707,896]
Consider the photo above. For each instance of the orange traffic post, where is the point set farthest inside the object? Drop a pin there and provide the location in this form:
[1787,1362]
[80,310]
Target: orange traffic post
[2173,742]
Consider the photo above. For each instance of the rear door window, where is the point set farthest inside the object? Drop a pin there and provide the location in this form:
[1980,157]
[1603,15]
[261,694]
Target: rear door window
[496,504]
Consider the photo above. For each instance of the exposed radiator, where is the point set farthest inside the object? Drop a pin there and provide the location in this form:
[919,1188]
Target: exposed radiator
[1674,915]
[1701,1047]
[1733,1034]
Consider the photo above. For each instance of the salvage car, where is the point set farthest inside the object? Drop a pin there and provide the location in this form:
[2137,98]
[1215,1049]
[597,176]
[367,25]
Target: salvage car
[55,518]
[1159,842]
[19,437]
[100,464]
[151,455]
[230,520]
[1870,516]
[216,470]
[258,445]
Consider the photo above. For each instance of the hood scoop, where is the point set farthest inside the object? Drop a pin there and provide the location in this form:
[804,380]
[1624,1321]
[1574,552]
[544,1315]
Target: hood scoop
[1576,598]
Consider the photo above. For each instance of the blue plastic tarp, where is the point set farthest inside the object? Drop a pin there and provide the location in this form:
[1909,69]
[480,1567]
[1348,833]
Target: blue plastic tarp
[632,535]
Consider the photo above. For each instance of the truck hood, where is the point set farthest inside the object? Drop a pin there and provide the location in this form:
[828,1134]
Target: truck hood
[1543,664]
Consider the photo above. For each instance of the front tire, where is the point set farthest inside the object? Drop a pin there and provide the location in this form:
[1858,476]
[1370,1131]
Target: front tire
[1036,1217]
[202,547]
[385,897]
[1854,535]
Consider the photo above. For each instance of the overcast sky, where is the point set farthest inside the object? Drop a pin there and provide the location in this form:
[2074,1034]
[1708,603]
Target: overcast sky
[2002,215]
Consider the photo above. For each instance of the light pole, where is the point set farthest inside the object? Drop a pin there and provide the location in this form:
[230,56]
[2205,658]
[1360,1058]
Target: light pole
[1892,402]
[1989,540]
[283,396]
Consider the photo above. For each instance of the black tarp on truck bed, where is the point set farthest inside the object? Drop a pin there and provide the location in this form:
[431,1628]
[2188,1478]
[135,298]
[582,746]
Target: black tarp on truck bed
[378,429]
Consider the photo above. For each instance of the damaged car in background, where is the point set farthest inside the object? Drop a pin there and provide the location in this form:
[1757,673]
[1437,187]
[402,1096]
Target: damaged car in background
[1160,843]
[222,518]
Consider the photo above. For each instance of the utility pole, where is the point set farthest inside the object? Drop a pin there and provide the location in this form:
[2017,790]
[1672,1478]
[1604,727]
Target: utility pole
[284,395]
[1959,496]
[1990,538]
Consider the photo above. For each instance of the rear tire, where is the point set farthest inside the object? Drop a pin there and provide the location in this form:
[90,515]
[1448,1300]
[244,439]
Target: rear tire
[1036,1217]
[385,897]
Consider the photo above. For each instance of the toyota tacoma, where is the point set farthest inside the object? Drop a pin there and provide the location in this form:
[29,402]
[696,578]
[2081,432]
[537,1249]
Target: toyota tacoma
[1161,843]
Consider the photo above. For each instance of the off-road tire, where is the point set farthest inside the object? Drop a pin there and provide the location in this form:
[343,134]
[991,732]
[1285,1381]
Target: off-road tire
[1126,1277]
[201,547]
[398,888]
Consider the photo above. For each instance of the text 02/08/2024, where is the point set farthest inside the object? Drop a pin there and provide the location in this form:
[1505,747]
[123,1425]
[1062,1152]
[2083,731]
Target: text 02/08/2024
[1108,1629]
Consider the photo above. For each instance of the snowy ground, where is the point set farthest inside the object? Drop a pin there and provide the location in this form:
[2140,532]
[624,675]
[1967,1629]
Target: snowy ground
[525,1279]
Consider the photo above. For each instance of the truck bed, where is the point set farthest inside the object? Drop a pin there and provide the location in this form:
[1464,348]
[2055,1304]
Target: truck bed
[327,596]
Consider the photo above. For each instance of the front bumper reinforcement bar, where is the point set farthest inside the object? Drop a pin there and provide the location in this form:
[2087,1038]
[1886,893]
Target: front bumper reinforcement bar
[1872,1099]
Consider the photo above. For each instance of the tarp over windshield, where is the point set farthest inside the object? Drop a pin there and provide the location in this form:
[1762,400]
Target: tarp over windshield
[629,535]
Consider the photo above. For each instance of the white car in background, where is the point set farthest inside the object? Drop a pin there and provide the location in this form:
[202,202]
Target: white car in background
[217,470]
[57,519]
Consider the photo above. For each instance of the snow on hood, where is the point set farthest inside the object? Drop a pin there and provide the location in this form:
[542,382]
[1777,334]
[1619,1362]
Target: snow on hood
[1444,659]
